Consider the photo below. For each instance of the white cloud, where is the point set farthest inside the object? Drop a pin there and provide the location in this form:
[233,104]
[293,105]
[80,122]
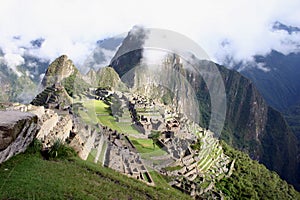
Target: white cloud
[262,67]
[153,57]
[72,26]
[12,61]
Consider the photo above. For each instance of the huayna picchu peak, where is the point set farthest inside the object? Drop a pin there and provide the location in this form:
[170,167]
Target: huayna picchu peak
[60,68]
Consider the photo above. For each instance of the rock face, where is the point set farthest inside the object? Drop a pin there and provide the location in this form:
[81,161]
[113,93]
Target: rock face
[17,130]
[53,126]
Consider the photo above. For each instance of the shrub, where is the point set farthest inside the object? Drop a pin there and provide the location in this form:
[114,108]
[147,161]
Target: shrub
[35,146]
[60,151]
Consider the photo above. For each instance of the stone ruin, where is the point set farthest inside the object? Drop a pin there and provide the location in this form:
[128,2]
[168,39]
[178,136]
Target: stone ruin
[17,131]
[195,170]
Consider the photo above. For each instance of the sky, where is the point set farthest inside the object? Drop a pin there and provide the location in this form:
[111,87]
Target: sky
[235,28]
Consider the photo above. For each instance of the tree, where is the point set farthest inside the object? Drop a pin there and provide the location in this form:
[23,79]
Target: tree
[154,136]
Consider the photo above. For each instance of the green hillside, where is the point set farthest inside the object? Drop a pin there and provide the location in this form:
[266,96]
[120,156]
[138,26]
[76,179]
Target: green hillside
[251,180]
[29,176]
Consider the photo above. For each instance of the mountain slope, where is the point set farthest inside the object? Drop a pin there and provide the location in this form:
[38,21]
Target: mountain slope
[250,123]
[77,179]
[73,179]
[251,180]
[257,129]
[20,83]
[108,78]
[276,75]
[245,172]
[280,85]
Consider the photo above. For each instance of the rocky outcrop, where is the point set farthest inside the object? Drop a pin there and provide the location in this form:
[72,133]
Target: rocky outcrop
[59,69]
[17,130]
[53,126]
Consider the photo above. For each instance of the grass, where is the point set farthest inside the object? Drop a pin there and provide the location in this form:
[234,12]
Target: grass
[146,149]
[204,161]
[92,155]
[98,111]
[29,176]
[127,128]
[102,154]
[173,168]
[144,145]
[89,117]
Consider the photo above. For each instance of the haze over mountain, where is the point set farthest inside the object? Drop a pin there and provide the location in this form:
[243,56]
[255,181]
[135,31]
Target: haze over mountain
[276,75]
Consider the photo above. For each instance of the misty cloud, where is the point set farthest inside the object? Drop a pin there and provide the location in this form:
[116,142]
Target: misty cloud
[12,61]
[74,27]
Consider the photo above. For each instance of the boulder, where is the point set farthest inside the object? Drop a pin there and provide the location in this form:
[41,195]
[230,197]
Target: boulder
[17,130]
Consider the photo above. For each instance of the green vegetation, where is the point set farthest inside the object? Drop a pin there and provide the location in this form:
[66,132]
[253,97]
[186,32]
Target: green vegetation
[89,117]
[92,155]
[127,128]
[162,181]
[251,180]
[60,151]
[29,176]
[34,147]
[98,111]
[146,148]
[197,145]
[167,97]
[74,84]
[144,145]
[173,168]
[292,116]
[154,137]
[108,79]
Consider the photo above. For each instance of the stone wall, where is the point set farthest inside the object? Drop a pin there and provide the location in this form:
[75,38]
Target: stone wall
[17,131]
[53,126]
[48,122]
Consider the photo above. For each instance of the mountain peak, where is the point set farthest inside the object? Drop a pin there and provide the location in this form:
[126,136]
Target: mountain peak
[280,26]
[108,78]
[62,67]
